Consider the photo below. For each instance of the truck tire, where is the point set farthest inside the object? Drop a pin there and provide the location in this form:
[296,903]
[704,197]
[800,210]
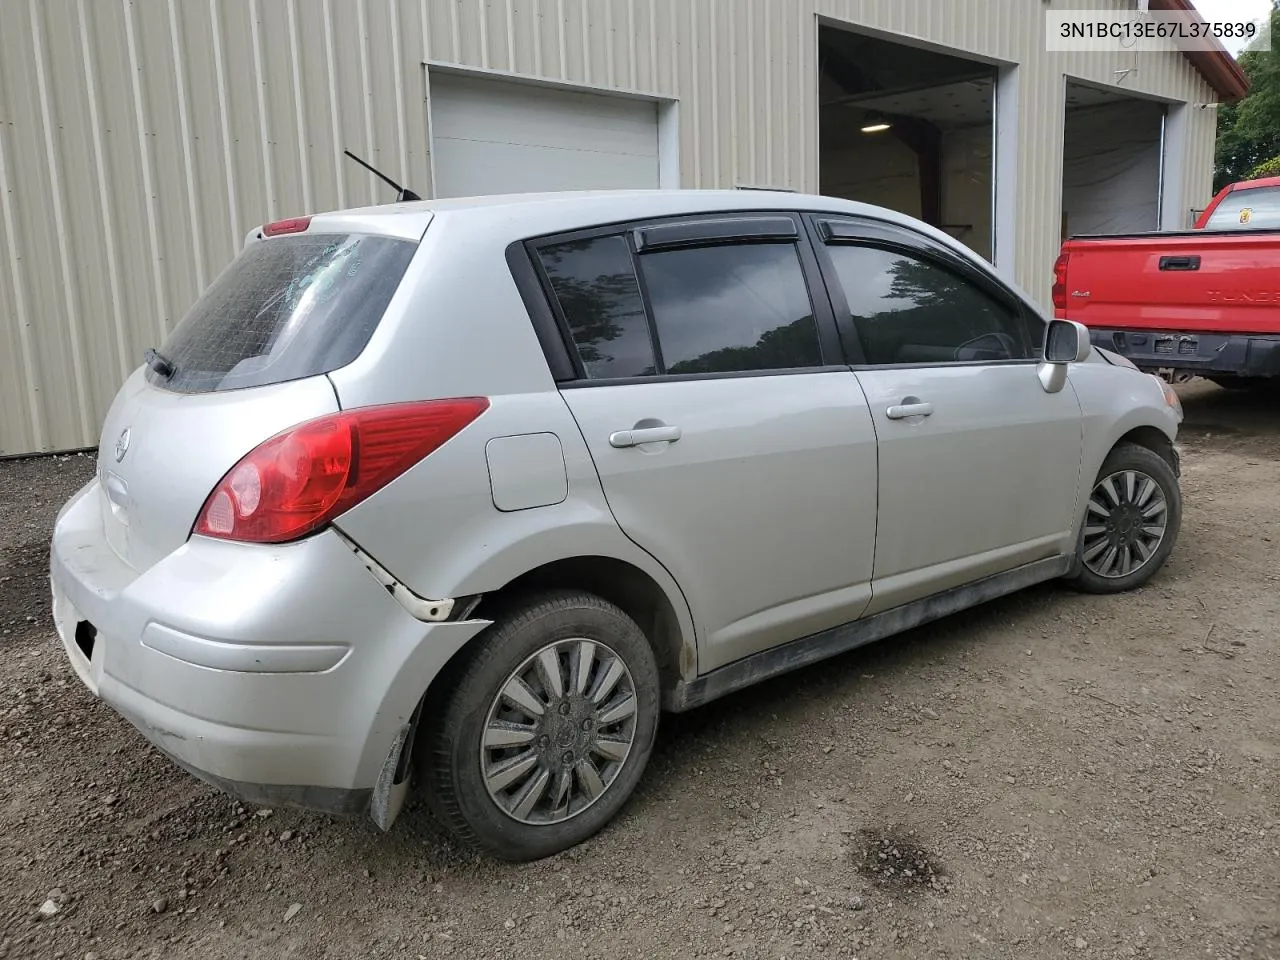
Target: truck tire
[1131,523]
[1231,382]
[546,729]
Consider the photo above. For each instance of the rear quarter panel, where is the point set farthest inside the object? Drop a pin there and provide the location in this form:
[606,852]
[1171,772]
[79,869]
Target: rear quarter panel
[461,329]
[456,327]
[437,530]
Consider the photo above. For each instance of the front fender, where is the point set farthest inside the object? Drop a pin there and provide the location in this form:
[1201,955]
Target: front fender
[1115,401]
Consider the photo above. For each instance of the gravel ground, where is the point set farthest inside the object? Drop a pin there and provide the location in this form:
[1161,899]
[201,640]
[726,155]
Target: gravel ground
[1050,775]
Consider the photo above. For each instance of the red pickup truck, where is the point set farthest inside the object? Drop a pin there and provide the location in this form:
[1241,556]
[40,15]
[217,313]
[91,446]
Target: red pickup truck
[1203,302]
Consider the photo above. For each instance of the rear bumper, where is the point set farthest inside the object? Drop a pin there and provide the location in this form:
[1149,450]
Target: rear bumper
[1204,354]
[281,674]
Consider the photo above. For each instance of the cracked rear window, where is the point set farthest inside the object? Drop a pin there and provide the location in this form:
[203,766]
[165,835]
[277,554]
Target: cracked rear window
[287,308]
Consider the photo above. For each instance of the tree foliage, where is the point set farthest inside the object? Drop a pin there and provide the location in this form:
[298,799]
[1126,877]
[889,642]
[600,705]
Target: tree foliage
[1249,130]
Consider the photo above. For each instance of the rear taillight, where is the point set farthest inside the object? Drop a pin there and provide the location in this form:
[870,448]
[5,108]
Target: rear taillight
[299,480]
[1060,284]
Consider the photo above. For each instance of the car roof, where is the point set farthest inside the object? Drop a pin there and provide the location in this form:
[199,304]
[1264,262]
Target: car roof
[1254,184]
[521,215]
[593,202]
[506,218]
[593,206]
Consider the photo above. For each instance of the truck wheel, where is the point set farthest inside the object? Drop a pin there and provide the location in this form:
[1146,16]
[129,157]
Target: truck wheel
[1228,382]
[1131,523]
[546,729]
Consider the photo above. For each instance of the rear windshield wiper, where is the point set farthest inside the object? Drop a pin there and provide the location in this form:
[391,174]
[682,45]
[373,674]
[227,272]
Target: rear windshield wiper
[162,365]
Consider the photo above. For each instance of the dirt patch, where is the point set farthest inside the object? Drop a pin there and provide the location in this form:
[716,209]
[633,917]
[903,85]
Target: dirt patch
[24,606]
[30,493]
[896,861]
[1096,777]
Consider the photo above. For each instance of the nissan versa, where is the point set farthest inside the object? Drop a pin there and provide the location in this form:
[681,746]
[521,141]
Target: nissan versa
[465,493]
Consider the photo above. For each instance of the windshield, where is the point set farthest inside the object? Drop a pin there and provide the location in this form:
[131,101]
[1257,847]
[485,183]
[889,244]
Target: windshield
[1257,208]
[286,308]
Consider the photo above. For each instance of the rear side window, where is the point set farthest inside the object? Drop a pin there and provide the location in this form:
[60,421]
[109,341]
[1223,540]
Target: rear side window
[728,308]
[595,284]
[910,310]
[731,308]
[287,308]
[1258,208]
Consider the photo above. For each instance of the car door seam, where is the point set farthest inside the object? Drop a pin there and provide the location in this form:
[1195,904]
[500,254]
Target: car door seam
[875,536]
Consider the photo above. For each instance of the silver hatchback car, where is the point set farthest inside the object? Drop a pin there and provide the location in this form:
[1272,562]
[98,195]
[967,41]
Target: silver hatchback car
[465,493]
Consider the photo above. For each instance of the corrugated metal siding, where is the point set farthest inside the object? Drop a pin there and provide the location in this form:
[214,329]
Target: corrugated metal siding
[141,139]
[744,71]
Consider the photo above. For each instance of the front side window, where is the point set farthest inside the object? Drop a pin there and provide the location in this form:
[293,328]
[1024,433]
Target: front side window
[595,285]
[1254,209]
[911,310]
[731,308]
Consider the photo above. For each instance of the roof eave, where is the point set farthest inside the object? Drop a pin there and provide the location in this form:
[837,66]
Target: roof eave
[1219,69]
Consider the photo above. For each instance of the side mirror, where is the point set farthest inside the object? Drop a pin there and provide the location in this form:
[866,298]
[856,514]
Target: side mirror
[1065,342]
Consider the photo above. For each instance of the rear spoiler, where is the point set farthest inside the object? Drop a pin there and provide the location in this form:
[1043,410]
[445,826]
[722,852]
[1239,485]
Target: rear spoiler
[403,195]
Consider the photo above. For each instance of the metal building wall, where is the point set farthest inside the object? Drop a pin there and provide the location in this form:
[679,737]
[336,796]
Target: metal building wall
[140,140]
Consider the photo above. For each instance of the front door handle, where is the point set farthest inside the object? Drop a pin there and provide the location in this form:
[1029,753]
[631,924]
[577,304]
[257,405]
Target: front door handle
[637,436]
[914,408]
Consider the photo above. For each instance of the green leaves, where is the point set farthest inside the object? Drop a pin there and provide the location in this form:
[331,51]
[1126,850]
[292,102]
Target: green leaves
[1249,131]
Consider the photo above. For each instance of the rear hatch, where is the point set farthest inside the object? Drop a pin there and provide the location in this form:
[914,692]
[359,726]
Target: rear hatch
[1206,281]
[248,361]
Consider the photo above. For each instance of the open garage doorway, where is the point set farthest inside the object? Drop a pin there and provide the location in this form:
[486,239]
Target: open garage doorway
[910,129]
[1112,150]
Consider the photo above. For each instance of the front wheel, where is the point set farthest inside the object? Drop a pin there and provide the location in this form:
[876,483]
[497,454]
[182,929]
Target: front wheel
[547,728]
[1131,522]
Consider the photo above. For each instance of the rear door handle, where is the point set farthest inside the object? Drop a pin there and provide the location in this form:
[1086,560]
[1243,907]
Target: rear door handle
[631,438]
[1180,263]
[916,408]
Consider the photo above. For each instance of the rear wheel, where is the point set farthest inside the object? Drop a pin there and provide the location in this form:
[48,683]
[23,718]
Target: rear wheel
[1131,522]
[547,728]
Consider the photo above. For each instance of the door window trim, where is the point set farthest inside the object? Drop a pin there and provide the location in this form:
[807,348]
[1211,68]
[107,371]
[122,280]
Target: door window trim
[562,359]
[704,229]
[827,230]
[705,232]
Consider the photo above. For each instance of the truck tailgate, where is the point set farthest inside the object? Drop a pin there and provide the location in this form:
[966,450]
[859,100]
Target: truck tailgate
[1205,281]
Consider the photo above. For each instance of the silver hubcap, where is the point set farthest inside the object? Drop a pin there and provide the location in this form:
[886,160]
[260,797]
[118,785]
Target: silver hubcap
[1125,524]
[558,732]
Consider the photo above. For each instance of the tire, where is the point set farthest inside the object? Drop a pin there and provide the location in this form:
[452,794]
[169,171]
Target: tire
[1253,384]
[464,775]
[1127,524]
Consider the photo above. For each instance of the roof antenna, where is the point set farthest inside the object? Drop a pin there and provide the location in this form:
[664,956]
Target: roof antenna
[403,194]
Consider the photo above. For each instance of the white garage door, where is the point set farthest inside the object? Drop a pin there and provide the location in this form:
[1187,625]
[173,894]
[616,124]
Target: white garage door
[494,136]
[1111,167]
